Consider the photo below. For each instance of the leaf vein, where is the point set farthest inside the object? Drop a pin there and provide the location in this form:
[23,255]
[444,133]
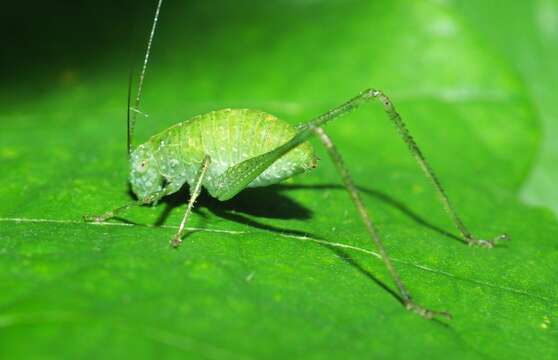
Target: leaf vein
[290,236]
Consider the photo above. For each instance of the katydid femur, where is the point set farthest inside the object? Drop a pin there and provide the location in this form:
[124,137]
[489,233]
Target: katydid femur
[228,150]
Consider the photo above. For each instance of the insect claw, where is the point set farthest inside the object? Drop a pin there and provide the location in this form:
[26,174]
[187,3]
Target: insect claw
[426,313]
[489,244]
[175,243]
[93,218]
[501,237]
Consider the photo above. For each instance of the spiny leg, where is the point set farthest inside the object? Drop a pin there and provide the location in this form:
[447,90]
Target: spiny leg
[177,240]
[112,213]
[371,94]
[421,160]
[115,212]
[357,200]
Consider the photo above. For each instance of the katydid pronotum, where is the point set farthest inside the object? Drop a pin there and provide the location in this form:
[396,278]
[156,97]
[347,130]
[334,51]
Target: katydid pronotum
[228,150]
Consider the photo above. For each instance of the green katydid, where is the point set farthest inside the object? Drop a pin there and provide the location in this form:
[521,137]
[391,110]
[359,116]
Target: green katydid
[227,150]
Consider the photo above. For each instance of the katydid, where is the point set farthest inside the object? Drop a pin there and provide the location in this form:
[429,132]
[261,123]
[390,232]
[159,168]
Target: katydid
[226,151]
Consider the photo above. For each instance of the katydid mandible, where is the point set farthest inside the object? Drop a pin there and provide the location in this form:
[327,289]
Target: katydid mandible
[228,150]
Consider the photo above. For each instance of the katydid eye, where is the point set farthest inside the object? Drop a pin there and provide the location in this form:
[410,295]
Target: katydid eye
[142,166]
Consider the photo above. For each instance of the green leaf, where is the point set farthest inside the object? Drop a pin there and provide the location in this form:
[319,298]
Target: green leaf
[531,49]
[285,271]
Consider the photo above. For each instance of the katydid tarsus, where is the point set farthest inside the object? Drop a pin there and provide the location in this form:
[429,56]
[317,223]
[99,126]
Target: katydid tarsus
[228,150]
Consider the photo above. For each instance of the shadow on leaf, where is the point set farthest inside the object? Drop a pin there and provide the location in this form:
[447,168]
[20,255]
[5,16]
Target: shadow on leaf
[269,202]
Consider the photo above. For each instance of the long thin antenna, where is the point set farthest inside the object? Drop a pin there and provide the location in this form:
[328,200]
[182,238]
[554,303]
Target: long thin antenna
[130,76]
[132,121]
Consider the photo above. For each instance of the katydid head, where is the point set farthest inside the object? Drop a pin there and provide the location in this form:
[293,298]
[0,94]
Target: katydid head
[144,173]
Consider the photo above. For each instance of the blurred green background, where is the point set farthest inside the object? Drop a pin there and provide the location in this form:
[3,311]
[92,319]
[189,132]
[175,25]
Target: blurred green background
[285,271]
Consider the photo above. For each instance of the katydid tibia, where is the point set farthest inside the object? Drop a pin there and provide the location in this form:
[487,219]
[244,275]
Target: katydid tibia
[228,150]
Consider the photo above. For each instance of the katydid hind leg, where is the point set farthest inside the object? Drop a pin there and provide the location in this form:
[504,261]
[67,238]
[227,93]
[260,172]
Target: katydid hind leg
[371,228]
[371,94]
